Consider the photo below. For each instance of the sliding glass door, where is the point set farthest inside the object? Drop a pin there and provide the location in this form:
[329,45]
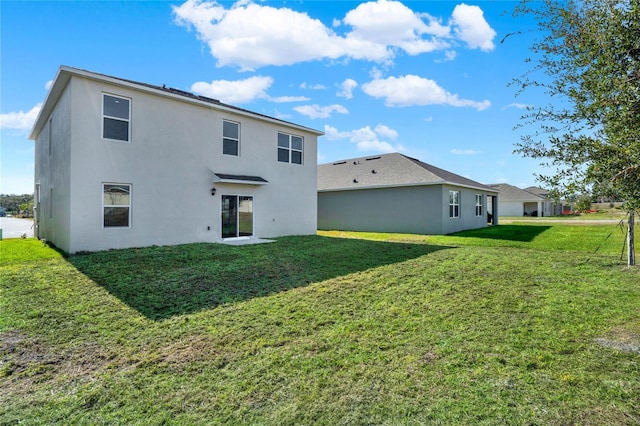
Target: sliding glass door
[237,216]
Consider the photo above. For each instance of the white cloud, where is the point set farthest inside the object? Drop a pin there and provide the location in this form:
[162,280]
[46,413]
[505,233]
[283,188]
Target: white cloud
[449,55]
[284,99]
[366,139]
[391,23]
[456,151]
[375,145]
[471,27]
[410,90]
[316,111]
[385,131]
[281,115]
[250,35]
[20,120]
[234,92]
[333,134]
[346,88]
[48,85]
[312,86]
[517,106]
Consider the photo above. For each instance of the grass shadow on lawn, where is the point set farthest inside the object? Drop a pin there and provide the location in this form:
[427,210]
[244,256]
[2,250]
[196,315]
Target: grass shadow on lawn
[161,282]
[524,233]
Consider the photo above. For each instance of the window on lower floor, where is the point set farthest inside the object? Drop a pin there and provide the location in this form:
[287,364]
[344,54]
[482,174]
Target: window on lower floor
[290,148]
[479,205]
[454,203]
[116,202]
[230,138]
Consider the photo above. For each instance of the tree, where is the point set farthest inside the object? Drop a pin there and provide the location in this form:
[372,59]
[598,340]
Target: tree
[11,203]
[587,60]
[583,202]
[26,208]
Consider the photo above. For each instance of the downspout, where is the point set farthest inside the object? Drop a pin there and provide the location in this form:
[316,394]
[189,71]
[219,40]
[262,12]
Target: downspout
[631,251]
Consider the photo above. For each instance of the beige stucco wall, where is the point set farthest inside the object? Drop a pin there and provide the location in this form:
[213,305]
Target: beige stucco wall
[174,149]
[409,209]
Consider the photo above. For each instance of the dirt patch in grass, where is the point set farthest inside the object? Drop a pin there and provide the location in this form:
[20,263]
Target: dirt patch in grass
[195,349]
[596,416]
[25,362]
[625,338]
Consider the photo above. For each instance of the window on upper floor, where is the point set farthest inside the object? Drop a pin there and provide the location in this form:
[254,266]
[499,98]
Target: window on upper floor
[479,205]
[116,205]
[230,138]
[454,204]
[290,148]
[116,117]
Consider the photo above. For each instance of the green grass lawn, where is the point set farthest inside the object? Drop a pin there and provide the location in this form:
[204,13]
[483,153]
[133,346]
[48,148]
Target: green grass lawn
[514,324]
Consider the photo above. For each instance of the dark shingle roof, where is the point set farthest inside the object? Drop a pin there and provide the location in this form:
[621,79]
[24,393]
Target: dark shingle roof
[387,170]
[240,178]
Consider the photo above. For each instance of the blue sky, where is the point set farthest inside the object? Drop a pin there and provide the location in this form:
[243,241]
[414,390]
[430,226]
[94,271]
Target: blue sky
[424,78]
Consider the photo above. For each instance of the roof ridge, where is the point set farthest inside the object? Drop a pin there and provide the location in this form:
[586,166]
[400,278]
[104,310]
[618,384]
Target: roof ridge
[392,170]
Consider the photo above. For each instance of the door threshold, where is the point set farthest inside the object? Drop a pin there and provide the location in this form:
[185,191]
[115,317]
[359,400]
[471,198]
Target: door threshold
[245,241]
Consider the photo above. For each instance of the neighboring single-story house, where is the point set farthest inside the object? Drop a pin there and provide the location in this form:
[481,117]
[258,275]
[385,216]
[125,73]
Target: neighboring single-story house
[396,193]
[120,163]
[514,201]
[549,206]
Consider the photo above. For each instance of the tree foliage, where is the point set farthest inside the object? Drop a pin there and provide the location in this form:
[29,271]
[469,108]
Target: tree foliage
[588,62]
[12,203]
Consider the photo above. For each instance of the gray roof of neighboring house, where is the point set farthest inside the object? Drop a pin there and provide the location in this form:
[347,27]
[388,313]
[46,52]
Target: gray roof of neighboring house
[538,191]
[512,193]
[387,170]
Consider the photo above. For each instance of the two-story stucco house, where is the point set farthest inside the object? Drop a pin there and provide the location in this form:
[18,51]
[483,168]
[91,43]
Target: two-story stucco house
[123,164]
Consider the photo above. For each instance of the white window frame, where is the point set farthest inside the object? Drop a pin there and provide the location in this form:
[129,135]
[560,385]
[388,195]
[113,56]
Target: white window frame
[454,204]
[127,120]
[233,139]
[253,218]
[128,206]
[479,205]
[289,148]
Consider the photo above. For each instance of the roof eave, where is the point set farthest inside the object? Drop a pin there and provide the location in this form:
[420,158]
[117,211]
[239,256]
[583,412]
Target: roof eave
[59,83]
[407,185]
[65,73]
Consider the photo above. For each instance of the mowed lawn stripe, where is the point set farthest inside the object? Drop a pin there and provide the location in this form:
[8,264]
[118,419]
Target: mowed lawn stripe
[332,331]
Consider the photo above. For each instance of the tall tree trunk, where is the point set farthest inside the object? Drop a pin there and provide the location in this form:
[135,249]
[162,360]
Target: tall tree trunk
[631,258]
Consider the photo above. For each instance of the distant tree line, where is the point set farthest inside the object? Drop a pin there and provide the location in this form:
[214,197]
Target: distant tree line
[17,204]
